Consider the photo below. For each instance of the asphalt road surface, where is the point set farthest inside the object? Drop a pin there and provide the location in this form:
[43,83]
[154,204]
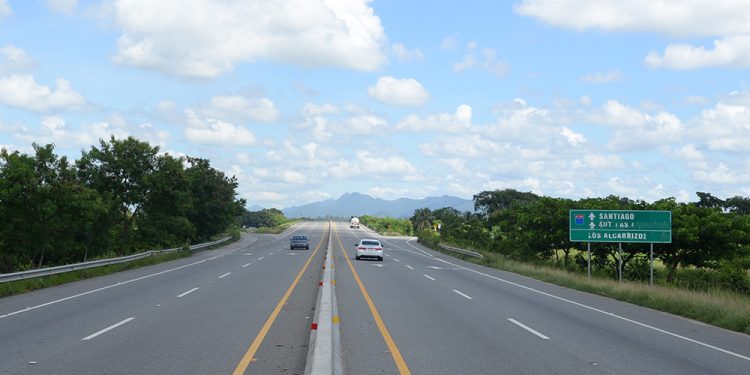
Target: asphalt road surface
[247,308]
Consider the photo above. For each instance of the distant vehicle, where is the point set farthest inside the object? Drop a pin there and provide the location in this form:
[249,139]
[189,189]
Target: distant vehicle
[354,223]
[299,242]
[369,248]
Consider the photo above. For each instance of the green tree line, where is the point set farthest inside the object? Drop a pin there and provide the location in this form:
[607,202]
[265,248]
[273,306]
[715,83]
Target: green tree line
[118,197]
[387,225]
[710,237]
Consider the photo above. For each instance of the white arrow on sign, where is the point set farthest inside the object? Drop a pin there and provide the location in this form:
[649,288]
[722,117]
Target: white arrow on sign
[592,216]
[592,225]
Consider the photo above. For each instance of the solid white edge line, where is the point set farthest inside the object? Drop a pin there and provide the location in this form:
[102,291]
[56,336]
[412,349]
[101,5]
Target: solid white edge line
[91,336]
[543,337]
[186,293]
[99,289]
[603,312]
[225,275]
[462,294]
[429,277]
[409,267]
[246,265]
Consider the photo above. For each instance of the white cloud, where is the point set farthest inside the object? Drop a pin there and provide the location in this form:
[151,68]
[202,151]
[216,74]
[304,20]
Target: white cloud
[4,9]
[371,164]
[22,91]
[722,174]
[310,109]
[240,109]
[683,18]
[458,122]
[725,127]
[467,62]
[635,130]
[600,162]
[64,6]
[599,77]
[14,59]
[489,62]
[572,137]
[690,153]
[206,38]
[731,51]
[450,42]
[729,20]
[216,132]
[401,92]
[404,54]
[586,100]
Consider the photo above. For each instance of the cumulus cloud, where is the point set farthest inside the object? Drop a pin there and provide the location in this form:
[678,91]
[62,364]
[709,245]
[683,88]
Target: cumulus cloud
[599,77]
[310,109]
[4,9]
[636,130]
[488,61]
[682,18]
[216,132]
[726,126]
[404,54]
[449,43]
[456,122]
[401,92]
[728,20]
[14,59]
[732,51]
[22,91]
[205,38]
[240,109]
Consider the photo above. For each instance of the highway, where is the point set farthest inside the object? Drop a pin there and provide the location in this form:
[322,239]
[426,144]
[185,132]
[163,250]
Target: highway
[247,308]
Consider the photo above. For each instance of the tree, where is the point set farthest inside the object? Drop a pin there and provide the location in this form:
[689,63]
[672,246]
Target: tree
[738,204]
[119,170]
[422,219]
[488,202]
[215,205]
[164,213]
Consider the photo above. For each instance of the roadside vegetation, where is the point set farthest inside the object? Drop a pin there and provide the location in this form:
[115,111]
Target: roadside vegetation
[120,197]
[704,274]
[267,221]
[22,286]
[388,226]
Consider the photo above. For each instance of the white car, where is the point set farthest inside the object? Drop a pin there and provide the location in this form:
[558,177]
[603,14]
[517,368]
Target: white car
[369,248]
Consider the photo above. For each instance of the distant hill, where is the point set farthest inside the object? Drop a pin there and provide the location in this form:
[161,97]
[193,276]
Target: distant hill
[356,204]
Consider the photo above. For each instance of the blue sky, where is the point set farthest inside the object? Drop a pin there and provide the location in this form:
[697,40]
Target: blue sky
[304,100]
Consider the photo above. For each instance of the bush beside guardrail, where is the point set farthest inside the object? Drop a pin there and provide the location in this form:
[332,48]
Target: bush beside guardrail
[97,263]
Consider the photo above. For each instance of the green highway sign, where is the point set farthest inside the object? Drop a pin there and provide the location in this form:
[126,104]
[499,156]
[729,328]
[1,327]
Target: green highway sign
[620,226]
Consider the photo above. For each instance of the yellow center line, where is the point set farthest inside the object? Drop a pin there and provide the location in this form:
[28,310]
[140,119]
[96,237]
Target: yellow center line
[403,369]
[248,357]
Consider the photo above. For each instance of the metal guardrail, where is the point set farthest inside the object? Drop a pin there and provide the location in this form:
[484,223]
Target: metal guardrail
[462,251]
[97,263]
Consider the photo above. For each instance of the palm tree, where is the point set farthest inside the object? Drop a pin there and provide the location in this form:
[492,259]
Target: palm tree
[422,219]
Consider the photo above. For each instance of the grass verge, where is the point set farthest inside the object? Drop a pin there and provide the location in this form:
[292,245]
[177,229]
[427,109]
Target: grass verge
[719,308]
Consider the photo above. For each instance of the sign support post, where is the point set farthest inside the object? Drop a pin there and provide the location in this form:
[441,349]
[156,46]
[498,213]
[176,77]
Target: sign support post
[651,276]
[588,252]
[629,226]
[619,262]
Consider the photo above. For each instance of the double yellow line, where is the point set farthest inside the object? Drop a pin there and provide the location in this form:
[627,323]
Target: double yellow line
[403,369]
[395,353]
[248,357]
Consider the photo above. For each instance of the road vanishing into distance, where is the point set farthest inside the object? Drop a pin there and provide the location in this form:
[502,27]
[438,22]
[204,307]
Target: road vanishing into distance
[247,308]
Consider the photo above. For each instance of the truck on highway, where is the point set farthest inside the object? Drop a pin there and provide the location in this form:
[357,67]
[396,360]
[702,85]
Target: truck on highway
[354,223]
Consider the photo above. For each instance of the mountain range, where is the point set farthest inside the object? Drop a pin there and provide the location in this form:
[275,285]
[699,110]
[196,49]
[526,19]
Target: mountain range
[356,204]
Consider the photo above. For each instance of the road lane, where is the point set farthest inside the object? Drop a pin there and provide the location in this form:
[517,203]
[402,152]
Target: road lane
[580,325]
[205,331]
